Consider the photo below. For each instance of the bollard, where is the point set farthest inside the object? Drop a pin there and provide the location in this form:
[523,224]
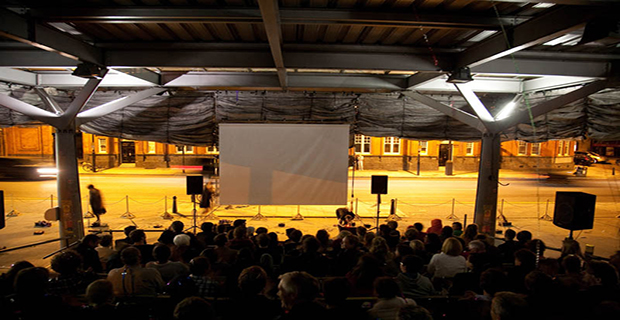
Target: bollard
[51,201]
[174,205]
[613,171]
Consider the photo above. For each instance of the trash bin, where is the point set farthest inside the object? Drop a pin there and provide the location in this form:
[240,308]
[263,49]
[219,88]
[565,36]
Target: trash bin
[449,167]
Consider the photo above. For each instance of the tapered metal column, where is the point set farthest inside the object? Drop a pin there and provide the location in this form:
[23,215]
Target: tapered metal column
[69,199]
[486,193]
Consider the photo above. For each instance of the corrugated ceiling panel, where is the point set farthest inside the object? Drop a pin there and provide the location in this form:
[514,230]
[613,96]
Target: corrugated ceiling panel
[158,31]
[319,3]
[289,33]
[332,33]
[412,38]
[259,32]
[246,33]
[395,35]
[457,4]
[94,31]
[179,31]
[374,34]
[374,3]
[117,31]
[199,31]
[402,3]
[138,32]
[221,31]
[346,3]
[437,35]
[353,34]
[429,4]
[311,33]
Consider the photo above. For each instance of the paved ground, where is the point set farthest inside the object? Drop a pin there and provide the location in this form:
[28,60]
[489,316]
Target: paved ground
[524,216]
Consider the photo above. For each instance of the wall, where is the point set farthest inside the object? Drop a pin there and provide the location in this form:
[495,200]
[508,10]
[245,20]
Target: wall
[29,141]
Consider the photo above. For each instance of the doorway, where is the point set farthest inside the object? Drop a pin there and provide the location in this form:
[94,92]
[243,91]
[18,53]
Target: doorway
[128,152]
[444,154]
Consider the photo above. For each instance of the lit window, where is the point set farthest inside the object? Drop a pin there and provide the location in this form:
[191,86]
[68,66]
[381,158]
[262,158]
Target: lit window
[566,147]
[469,149]
[212,149]
[560,147]
[423,147]
[536,149]
[188,149]
[102,145]
[391,145]
[522,147]
[362,143]
[150,147]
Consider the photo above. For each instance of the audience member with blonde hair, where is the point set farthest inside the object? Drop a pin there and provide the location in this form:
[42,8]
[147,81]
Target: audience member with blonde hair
[449,262]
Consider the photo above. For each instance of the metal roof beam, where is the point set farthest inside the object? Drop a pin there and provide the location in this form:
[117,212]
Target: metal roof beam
[142,73]
[287,15]
[112,106]
[18,76]
[271,20]
[16,27]
[533,32]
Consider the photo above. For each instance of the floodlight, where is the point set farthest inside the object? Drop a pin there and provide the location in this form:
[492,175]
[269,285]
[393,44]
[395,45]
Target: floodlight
[460,75]
[89,71]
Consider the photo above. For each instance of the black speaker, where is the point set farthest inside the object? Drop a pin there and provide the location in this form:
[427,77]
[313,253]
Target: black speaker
[2,223]
[379,185]
[574,210]
[194,184]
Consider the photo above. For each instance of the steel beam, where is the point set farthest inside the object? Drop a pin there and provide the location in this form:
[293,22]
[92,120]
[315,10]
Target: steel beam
[29,110]
[561,65]
[107,108]
[474,102]
[533,32]
[455,113]
[16,27]
[524,116]
[143,74]
[18,76]
[49,101]
[68,117]
[271,21]
[288,16]
[421,78]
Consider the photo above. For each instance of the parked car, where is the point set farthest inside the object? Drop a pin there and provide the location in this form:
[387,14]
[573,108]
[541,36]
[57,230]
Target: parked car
[27,169]
[582,159]
[592,156]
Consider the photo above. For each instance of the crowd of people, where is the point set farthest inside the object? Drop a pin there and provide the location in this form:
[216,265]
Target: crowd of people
[234,271]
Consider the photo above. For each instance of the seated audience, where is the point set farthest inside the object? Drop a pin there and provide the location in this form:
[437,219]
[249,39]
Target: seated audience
[411,312]
[138,237]
[193,308]
[90,257]
[436,227]
[252,285]
[509,306]
[449,262]
[105,250]
[298,292]
[508,248]
[336,291]
[363,275]
[389,300]
[411,282]
[168,269]
[132,278]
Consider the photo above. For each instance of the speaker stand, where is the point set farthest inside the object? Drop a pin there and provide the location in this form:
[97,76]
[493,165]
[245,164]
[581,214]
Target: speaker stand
[378,209]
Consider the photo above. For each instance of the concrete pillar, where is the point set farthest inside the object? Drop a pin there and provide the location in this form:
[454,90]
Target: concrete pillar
[69,199]
[486,192]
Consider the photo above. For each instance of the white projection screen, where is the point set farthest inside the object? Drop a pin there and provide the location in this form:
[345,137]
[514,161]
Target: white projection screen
[283,164]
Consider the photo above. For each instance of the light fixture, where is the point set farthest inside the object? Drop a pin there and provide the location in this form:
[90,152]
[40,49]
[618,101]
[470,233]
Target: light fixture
[460,75]
[89,71]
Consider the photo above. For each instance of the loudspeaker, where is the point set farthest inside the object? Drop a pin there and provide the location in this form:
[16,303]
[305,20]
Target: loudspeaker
[2,223]
[574,210]
[194,184]
[379,185]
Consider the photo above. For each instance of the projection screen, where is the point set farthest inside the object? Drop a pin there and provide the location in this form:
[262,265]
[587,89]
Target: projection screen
[283,164]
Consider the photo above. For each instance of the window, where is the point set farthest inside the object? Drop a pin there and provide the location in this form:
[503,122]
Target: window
[102,145]
[150,147]
[188,149]
[560,147]
[423,149]
[536,149]
[469,149]
[362,144]
[522,147]
[391,145]
[566,147]
[212,149]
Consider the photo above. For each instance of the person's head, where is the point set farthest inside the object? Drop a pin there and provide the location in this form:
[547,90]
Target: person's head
[100,292]
[296,287]
[199,266]
[240,232]
[361,231]
[417,246]
[510,235]
[392,224]
[166,237]
[457,225]
[603,273]
[571,264]
[538,283]
[368,239]
[323,237]
[206,227]
[549,266]
[571,246]
[446,232]
[525,258]
[411,264]
[262,240]
[537,246]
[91,240]
[15,269]
[310,244]
[296,235]
[128,229]
[31,282]
[524,236]
[493,281]
[379,246]
[403,249]
[90,187]
[131,256]
[508,306]
[220,240]
[261,230]
[193,308]
[452,247]
[418,226]
[161,253]
[138,236]
[336,290]
[239,223]
[181,240]
[411,234]
[67,262]
[177,226]
[476,246]
[350,242]
[414,312]
[470,231]
[106,240]
[252,281]
[386,288]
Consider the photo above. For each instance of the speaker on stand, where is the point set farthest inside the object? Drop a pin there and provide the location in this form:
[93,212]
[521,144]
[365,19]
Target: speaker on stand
[574,211]
[194,185]
[379,186]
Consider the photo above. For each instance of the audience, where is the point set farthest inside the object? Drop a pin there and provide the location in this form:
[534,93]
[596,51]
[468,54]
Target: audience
[355,275]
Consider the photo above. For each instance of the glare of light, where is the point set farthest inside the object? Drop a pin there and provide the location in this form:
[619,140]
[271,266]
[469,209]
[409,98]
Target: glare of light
[543,5]
[506,111]
[47,171]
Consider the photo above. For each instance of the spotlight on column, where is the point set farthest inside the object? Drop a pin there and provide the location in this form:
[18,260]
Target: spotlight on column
[89,71]
[460,75]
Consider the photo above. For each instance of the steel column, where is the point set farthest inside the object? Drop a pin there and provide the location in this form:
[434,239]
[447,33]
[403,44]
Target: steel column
[486,192]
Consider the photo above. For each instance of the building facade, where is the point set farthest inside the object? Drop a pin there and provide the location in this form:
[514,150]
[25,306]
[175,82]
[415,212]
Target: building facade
[373,153]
